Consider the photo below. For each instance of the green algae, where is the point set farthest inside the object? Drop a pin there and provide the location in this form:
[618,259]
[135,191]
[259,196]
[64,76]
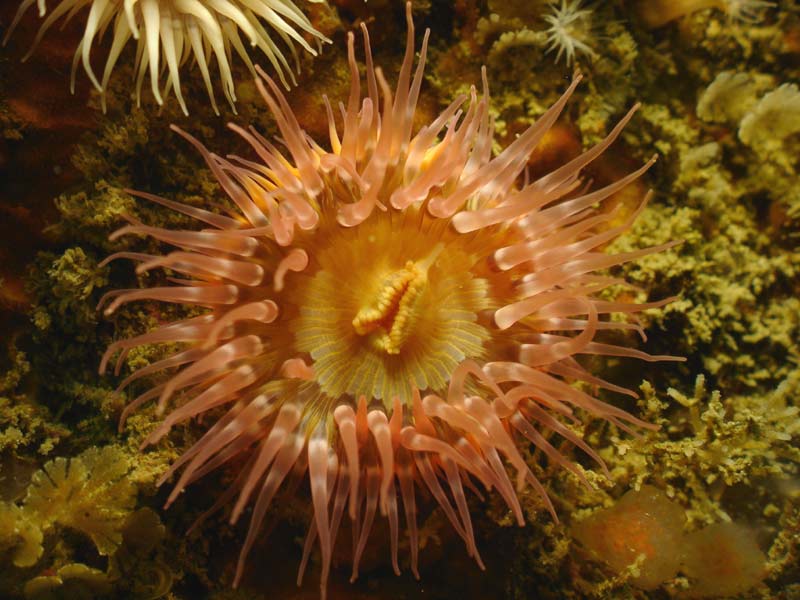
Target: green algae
[25,425]
[727,446]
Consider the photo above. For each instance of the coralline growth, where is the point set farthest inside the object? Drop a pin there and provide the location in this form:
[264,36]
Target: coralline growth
[763,123]
[773,118]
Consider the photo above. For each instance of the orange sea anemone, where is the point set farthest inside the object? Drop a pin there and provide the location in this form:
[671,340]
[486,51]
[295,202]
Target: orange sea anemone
[179,30]
[394,315]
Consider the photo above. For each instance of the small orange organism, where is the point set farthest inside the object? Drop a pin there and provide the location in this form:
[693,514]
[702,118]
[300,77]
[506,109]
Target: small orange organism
[722,559]
[643,522]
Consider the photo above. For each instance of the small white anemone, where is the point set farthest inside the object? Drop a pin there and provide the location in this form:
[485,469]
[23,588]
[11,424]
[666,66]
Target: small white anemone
[570,30]
[179,30]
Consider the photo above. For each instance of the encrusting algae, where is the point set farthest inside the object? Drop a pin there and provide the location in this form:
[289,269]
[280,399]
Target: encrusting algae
[725,455]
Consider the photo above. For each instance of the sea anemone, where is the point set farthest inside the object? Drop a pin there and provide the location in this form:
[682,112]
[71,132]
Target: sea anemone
[398,313]
[570,30]
[180,30]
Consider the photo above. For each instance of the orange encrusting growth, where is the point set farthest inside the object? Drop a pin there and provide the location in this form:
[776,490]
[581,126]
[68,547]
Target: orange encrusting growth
[644,525]
[393,314]
[645,529]
[722,559]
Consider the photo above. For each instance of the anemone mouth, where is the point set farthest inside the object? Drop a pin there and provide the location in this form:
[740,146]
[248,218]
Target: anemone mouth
[392,305]
[393,315]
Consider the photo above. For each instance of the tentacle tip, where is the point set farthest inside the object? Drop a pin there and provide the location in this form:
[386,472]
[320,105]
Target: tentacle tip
[262,74]
[502,322]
